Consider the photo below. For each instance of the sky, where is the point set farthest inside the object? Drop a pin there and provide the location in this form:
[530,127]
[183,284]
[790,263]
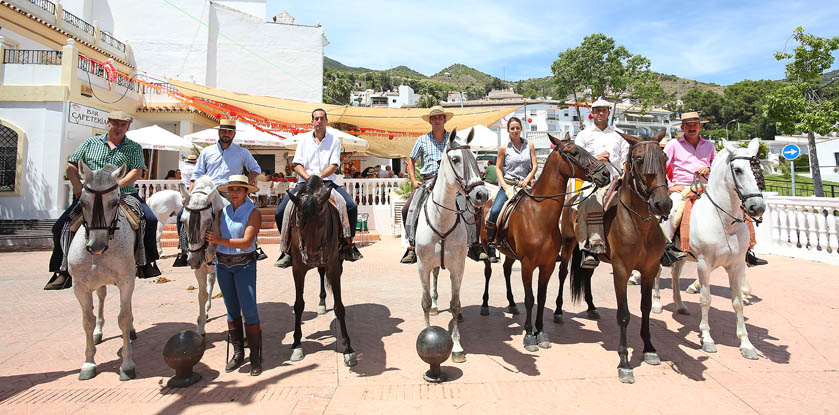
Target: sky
[718,41]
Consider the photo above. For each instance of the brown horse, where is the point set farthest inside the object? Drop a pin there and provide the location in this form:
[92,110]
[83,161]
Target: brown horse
[315,242]
[532,231]
[634,241]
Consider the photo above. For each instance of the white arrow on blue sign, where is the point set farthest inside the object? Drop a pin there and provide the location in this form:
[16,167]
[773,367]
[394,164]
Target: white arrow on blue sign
[791,152]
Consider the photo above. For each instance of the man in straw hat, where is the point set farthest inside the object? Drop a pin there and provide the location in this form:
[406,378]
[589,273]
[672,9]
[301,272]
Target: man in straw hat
[219,162]
[319,153]
[601,140]
[110,149]
[430,148]
[687,156]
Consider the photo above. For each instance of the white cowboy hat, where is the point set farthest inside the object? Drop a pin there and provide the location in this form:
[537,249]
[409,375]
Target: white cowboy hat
[239,180]
[601,103]
[437,110]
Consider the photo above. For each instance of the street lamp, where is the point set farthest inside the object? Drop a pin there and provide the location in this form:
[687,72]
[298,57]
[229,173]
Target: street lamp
[726,127]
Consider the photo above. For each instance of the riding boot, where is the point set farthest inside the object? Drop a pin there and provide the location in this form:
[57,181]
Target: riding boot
[59,281]
[255,344]
[284,261]
[477,254]
[596,245]
[671,255]
[410,257]
[148,270]
[491,231]
[180,260]
[753,261]
[349,251]
[260,254]
[236,337]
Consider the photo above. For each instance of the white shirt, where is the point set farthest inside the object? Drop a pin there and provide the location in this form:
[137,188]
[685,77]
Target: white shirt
[186,173]
[597,141]
[384,174]
[315,157]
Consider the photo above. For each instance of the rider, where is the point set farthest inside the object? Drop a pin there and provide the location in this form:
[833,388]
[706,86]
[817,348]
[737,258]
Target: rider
[219,162]
[688,156]
[601,140]
[430,148]
[516,166]
[115,149]
[319,153]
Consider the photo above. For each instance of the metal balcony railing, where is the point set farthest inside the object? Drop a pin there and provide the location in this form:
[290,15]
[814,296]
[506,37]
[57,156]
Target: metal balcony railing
[32,57]
[77,21]
[93,67]
[44,4]
[109,39]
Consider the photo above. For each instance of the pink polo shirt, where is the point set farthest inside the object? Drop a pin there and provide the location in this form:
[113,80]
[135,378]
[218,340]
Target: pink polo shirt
[685,159]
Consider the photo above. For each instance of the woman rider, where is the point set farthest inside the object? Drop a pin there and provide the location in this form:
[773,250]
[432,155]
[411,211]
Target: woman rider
[516,167]
[236,270]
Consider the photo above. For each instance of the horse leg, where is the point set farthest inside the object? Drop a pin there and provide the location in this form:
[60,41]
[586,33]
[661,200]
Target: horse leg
[211,283]
[126,324]
[203,298]
[747,291]
[591,312]
[508,272]
[545,272]
[530,343]
[656,307]
[563,273]
[736,273]
[299,280]
[435,274]
[487,276]
[704,276]
[675,272]
[693,288]
[340,313]
[85,297]
[456,273]
[621,275]
[425,277]
[647,281]
[101,292]
[322,303]
[159,233]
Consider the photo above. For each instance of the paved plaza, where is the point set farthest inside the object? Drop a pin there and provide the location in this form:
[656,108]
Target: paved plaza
[791,322]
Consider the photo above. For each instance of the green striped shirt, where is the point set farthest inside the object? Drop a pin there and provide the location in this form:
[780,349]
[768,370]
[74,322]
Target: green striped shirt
[96,154]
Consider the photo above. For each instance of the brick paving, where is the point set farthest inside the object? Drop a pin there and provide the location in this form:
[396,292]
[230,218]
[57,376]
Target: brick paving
[791,323]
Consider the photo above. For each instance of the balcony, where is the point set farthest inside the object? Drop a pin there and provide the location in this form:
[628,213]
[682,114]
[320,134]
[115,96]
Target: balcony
[95,68]
[31,67]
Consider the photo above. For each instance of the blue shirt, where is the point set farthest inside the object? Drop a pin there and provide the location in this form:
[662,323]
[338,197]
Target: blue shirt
[427,149]
[219,164]
[233,224]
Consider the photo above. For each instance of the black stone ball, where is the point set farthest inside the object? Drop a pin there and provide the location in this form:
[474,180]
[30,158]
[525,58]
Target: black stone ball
[183,350]
[434,345]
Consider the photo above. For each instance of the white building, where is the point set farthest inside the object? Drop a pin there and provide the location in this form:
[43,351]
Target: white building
[403,98]
[827,149]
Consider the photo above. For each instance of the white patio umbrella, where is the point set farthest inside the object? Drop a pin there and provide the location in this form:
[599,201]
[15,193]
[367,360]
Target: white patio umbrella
[246,135]
[484,139]
[349,142]
[155,138]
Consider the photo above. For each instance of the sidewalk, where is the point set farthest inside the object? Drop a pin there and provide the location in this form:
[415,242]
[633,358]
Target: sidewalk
[792,323]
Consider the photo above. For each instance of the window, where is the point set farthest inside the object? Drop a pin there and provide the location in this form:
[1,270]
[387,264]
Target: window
[532,127]
[8,159]
[836,158]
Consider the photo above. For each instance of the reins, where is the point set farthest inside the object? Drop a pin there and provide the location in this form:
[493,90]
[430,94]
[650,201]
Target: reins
[98,214]
[634,180]
[195,224]
[743,198]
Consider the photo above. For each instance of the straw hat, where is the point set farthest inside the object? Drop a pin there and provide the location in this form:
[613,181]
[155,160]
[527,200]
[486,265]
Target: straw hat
[437,110]
[120,116]
[601,103]
[238,180]
[690,116]
[227,124]
[192,158]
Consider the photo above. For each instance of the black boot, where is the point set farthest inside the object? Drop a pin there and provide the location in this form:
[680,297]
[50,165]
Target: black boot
[284,261]
[255,344]
[236,337]
[59,281]
[148,271]
[753,261]
[671,255]
[260,254]
[491,231]
[180,260]
[410,257]
[350,252]
[477,254]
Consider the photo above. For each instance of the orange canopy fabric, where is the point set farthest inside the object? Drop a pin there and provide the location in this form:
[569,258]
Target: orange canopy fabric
[391,132]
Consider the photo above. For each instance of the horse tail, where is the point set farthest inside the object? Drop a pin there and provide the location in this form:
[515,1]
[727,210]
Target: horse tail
[579,275]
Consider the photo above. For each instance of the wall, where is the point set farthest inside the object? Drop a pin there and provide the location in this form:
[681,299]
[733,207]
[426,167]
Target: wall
[14,74]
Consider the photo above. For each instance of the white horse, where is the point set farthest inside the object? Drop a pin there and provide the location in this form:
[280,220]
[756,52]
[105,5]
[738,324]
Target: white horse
[165,204]
[719,237]
[441,239]
[102,254]
[201,212]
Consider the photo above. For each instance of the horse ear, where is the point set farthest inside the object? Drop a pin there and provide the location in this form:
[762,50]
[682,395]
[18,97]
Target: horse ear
[184,192]
[728,145]
[555,141]
[324,196]
[631,139]
[118,173]
[453,135]
[470,136]
[754,146]
[567,136]
[294,199]
[660,135]
[85,171]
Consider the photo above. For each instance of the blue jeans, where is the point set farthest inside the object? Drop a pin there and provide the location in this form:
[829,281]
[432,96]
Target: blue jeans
[352,208]
[238,287]
[500,198]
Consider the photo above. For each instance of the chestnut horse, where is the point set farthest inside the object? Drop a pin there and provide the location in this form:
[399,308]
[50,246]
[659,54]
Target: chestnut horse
[634,240]
[532,230]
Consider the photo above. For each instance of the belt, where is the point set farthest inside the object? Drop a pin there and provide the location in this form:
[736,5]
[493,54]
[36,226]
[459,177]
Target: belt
[232,260]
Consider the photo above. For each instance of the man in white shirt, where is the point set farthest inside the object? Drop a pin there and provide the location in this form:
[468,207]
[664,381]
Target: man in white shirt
[603,142]
[318,153]
[189,168]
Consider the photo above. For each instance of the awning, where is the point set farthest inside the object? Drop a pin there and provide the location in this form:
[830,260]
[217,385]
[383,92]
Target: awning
[246,135]
[155,138]
[349,142]
[391,132]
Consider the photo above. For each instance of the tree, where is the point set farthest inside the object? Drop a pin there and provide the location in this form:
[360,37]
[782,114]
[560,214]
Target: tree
[337,88]
[805,104]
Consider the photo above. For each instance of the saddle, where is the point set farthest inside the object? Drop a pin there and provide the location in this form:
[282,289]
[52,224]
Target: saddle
[502,224]
[682,216]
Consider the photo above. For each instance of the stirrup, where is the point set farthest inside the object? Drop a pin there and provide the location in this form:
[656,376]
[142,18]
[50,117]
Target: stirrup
[590,261]
[284,261]
[753,261]
[410,257]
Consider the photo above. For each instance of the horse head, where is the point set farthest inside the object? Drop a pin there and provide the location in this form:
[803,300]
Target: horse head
[201,205]
[311,219]
[459,168]
[746,177]
[100,205]
[646,172]
[574,161]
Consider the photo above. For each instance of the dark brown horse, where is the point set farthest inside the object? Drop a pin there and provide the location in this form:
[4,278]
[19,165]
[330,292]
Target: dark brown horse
[532,235]
[634,241]
[315,242]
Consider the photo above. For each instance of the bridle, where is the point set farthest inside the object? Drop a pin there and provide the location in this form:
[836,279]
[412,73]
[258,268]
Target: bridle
[98,214]
[743,197]
[591,171]
[637,182]
[195,221]
[319,257]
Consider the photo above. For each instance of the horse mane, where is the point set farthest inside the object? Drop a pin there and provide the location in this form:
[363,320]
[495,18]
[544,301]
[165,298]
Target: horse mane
[651,160]
[101,178]
[308,193]
[201,190]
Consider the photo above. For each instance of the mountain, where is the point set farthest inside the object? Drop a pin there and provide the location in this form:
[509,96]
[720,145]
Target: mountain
[334,65]
[405,72]
[462,76]
[676,87]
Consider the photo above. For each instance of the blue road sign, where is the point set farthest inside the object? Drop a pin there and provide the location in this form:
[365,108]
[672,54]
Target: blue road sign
[791,152]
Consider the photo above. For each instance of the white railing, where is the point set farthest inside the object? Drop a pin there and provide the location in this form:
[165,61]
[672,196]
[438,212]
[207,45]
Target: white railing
[371,192]
[800,227]
[144,187]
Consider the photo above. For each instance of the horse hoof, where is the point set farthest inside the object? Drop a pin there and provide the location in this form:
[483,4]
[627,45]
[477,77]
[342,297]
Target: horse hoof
[97,338]
[593,315]
[708,347]
[690,290]
[484,311]
[87,373]
[530,343]
[656,309]
[433,311]
[746,301]
[513,310]
[626,376]
[458,357]
[543,341]
[350,359]
[652,359]
[558,319]
[750,354]
[633,280]
[321,310]
[460,318]
[683,310]
[127,374]
[132,334]
[297,354]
